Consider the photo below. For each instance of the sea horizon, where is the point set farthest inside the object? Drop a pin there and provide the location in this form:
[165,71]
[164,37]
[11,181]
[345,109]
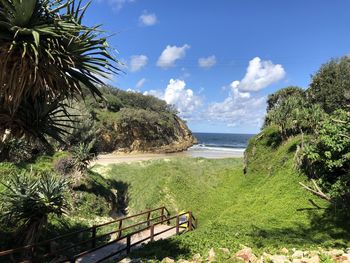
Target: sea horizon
[221,141]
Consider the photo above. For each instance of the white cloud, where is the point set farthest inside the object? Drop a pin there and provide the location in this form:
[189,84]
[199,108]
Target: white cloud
[148,19]
[117,4]
[238,109]
[141,83]
[170,54]
[260,74]
[137,62]
[207,62]
[176,93]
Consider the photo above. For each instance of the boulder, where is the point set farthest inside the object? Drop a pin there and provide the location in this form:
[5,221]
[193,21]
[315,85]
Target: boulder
[197,258]
[279,259]
[168,260]
[284,250]
[298,254]
[211,255]
[246,254]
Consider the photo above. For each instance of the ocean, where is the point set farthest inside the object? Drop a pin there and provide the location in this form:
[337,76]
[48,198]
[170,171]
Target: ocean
[218,145]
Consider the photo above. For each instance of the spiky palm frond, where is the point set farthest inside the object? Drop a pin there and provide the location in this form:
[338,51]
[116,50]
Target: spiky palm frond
[47,53]
[28,199]
[37,119]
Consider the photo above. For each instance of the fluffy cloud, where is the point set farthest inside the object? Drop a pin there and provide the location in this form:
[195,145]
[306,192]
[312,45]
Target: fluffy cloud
[117,4]
[170,54]
[148,19]
[207,62]
[238,109]
[176,93]
[140,83]
[137,62]
[260,74]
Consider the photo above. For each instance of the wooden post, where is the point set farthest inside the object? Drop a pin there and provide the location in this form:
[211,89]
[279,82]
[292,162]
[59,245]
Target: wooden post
[168,215]
[177,224]
[190,221]
[93,236]
[120,227]
[152,233]
[128,244]
[163,216]
[148,219]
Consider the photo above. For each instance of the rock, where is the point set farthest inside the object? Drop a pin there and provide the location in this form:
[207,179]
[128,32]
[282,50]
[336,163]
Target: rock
[341,259]
[225,250]
[168,260]
[279,259]
[246,255]
[347,250]
[296,260]
[284,250]
[314,253]
[211,256]
[335,252]
[197,258]
[126,260]
[298,254]
[314,259]
[347,255]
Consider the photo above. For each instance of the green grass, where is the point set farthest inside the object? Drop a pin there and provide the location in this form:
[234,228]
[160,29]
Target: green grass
[265,209]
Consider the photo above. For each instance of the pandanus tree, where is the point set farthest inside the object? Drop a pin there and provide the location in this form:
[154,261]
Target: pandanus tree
[48,58]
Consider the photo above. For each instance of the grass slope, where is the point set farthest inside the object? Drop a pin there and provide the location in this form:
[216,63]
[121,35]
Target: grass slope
[265,209]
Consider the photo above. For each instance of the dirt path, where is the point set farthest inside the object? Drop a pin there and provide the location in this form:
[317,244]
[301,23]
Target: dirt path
[107,250]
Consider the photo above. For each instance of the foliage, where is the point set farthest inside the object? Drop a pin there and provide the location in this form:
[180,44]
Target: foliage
[275,99]
[48,55]
[127,99]
[64,165]
[330,86]
[294,115]
[81,156]
[29,199]
[327,156]
[264,209]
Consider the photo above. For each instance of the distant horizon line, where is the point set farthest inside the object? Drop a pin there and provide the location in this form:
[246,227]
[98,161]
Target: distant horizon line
[225,133]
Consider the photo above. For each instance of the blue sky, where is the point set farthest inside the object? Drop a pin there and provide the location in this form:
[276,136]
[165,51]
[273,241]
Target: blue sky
[216,61]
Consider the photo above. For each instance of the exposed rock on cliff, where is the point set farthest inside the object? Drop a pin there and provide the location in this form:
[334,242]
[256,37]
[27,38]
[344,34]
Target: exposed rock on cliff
[132,122]
[133,135]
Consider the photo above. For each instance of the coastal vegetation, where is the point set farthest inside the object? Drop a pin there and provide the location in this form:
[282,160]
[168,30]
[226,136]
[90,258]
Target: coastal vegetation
[56,114]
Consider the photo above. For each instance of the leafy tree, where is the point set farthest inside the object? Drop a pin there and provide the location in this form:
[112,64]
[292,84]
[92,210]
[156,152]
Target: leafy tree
[279,96]
[47,56]
[330,86]
[327,156]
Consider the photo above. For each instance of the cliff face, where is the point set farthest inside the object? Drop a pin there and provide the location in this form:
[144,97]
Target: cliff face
[136,136]
[133,122]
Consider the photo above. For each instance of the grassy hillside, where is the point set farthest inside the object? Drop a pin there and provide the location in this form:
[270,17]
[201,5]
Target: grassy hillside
[265,209]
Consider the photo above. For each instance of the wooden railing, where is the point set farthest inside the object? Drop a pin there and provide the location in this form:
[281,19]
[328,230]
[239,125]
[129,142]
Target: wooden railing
[123,233]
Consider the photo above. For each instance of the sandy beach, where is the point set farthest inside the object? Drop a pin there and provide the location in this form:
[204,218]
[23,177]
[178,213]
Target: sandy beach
[193,152]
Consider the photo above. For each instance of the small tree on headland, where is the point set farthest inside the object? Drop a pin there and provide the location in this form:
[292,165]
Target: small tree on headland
[330,86]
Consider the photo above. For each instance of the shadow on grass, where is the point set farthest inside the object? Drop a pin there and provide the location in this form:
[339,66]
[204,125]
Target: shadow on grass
[161,249]
[329,228]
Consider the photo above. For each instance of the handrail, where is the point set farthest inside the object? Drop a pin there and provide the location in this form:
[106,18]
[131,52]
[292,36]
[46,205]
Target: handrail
[128,247]
[12,251]
[151,223]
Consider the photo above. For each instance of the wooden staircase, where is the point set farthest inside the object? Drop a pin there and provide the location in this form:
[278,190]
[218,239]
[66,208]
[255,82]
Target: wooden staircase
[105,241]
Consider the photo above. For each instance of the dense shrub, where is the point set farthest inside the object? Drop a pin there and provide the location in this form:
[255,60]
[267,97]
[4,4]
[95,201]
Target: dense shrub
[330,86]
[327,156]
